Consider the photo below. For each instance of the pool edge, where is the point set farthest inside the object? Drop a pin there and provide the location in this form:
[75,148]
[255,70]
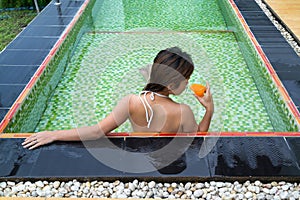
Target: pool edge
[284,94]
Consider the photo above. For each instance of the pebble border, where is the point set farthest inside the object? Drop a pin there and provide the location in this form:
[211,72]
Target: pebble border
[142,189]
[157,190]
[286,34]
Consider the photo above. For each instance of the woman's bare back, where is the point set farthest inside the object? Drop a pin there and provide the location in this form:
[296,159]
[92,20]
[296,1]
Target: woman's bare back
[167,114]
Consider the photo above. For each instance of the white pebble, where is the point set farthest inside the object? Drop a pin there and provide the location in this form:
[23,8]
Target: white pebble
[127,192]
[251,188]
[135,183]
[56,184]
[296,194]
[34,194]
[74,188]
[220,184]
[10,183]
[151,184]
[62,191]
[257,183]
[198,193]
[273,190]
[32,187]
[188,185]
[188,193]
[122,196]
[285,187]
[39,184]
[20,188]
[199,185]
[284,195]
[3,184]
[131,187]
[213,183]
[223,190]
[240,196]
[92,183]
[260,196]
[174,185]
[266,190]
[276,197]
[248,195]
[165,194]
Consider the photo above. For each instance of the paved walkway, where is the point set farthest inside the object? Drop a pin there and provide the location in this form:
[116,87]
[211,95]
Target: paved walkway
[289,12]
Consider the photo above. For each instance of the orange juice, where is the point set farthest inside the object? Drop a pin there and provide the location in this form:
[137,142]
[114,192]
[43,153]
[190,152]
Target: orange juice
[198,89]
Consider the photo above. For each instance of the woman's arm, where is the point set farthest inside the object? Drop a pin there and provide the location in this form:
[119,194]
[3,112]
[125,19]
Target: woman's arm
[118,116]
[188,120]
[207,102]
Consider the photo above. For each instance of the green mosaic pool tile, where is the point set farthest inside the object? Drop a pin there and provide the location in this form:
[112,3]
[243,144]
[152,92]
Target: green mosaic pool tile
[104,75]
[165,15]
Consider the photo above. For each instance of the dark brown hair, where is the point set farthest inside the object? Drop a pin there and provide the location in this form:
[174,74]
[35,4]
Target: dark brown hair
[170,66]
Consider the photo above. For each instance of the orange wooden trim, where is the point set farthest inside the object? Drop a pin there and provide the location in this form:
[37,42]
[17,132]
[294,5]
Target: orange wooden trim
[284,94]
[12,110]
[198,134]
[226,134]
[31,82]
[23,95]
[40,70]
[294,109]
[287,134]
[3,124]
[15,135]
[55,48]
[47,59]
[117,134]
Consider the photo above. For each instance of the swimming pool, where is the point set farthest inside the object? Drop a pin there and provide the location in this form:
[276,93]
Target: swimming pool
[120,37]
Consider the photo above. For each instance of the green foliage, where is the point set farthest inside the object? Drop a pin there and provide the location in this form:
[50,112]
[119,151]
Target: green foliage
[21,3]
[11,24]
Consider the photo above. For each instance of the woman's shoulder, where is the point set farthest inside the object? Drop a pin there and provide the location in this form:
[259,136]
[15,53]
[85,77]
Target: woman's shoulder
[132,99]
[184,107]
[130,96]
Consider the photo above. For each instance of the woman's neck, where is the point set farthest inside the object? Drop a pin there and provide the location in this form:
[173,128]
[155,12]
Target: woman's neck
[164,93]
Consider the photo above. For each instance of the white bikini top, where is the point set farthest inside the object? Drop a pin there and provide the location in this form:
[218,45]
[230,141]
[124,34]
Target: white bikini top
[146,104]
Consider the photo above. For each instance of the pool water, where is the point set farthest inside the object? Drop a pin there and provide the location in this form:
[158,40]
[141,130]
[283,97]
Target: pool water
[126,36]
[124,15]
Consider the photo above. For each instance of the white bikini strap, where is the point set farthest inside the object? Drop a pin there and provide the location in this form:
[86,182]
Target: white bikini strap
[146,104]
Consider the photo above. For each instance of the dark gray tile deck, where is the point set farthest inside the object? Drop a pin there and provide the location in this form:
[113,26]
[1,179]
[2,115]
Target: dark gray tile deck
[32,43]
[3,112]
[55,20]
[230,156]
[43,31]
[253,156]
[21,58]
[9,93]
[16,74]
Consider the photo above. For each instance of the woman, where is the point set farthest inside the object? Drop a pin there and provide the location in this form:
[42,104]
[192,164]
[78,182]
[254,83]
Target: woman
[150,111]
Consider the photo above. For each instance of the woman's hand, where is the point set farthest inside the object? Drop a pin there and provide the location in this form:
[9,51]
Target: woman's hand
[38,139]
[207,100]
